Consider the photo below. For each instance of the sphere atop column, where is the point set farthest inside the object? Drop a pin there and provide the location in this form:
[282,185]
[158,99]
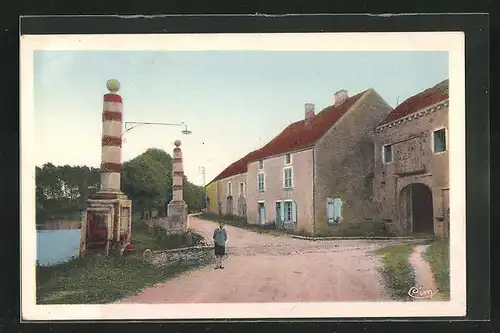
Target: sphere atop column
[113,85]
[177,143]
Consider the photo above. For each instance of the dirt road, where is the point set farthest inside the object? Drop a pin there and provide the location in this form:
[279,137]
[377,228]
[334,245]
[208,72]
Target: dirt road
[265,268]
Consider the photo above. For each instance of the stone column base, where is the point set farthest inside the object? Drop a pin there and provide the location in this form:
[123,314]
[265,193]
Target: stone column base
[177,213]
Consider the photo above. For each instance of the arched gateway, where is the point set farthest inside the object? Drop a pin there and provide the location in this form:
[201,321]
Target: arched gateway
[416,209]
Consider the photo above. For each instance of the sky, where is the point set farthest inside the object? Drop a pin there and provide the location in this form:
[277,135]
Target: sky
[232,101]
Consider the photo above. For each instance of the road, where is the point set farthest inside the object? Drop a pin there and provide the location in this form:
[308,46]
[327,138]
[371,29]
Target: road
[266,268]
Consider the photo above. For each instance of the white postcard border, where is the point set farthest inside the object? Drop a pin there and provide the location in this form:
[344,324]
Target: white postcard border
[452,42]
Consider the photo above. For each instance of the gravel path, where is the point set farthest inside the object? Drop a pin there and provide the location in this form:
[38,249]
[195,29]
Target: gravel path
[426,288]
[266,268]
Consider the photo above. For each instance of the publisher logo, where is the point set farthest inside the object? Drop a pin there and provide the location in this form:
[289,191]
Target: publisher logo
[421,292]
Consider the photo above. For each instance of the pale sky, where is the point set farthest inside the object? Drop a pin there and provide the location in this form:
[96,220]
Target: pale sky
[232,101]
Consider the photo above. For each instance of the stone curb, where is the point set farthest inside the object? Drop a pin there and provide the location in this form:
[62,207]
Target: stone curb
[354,238]
[182,249]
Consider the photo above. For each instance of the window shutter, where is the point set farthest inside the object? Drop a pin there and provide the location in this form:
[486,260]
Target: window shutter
[329,207]
[338,209]
[294,211]
[282,211]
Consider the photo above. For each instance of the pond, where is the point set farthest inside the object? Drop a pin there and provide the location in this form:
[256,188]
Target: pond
[56,246]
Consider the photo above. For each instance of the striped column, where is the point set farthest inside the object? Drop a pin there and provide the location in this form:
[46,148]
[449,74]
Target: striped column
[111,153]
[177,173]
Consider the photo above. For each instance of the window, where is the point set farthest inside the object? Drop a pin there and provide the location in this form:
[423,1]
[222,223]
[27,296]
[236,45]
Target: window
[242,189]
[261,164]
[261,182]
[439,140]
[334,210]
[387,154]
[286,211]
[229,189]
[288,159]
[287,177]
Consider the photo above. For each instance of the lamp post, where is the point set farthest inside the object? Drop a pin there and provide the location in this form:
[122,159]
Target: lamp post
[130,125]
[135,124]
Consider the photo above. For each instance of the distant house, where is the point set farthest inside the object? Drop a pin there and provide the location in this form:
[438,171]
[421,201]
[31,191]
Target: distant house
[316,175]
[412,163]
[227,193]
[211,197]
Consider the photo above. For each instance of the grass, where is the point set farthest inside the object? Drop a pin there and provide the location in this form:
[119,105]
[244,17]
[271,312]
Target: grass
[157,240]
[398,273]
[239,222]
[368,230]
[438,256]
[94,279]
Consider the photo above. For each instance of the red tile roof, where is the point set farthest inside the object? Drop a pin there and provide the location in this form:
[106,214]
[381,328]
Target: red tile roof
[301,135]
[420,101]
[295,136]
[236,168]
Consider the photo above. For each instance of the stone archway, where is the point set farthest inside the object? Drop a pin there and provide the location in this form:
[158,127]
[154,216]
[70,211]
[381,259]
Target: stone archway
[416,209]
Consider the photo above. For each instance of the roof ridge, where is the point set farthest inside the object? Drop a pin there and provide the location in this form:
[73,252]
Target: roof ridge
[295,136]
[418,101]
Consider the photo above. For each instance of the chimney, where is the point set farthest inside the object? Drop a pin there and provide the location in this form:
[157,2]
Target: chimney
[309,112]
[340,97]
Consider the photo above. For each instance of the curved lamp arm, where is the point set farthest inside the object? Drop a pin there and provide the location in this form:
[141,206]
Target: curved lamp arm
[137,123]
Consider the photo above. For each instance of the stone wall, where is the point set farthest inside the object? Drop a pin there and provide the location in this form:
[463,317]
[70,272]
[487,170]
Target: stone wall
[344,163]
[187,256]
[413,162]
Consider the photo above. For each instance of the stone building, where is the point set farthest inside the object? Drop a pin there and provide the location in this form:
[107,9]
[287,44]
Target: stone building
[315,176]
[411,181]
[227,193]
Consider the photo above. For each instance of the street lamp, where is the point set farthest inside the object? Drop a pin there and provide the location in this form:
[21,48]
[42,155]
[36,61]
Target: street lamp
[135,124]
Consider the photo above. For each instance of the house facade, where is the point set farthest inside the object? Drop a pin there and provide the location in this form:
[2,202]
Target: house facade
[211,197]
[280,190]
[228,191]
[411,179]
[308,178]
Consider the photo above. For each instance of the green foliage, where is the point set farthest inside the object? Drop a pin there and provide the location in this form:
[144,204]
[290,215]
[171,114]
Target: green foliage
[438,256]
[398,273]
[94,279]
[156,239]
[147,180]
[240,222]
[61,191]
[360,228]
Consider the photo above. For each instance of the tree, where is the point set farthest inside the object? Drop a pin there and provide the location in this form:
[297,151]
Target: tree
[147,178]
[61,191]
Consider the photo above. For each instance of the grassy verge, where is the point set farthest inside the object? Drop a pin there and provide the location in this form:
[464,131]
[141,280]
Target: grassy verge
[238,222]
[398,273]
[94,279]
[438,256]
[157,240]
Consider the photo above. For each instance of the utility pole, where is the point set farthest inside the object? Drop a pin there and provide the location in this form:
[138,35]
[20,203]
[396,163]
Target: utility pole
[202,170]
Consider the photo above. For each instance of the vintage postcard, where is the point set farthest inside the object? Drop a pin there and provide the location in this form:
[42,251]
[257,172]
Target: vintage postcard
[200,176]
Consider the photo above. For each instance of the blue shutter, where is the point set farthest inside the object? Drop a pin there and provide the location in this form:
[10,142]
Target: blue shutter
[294,211]
[282,211]
[337,203]
[329,207]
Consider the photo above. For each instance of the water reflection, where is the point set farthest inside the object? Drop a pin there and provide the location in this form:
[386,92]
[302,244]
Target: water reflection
[56,246]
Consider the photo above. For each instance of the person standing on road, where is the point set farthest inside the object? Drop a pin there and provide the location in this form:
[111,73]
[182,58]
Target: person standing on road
[220,241]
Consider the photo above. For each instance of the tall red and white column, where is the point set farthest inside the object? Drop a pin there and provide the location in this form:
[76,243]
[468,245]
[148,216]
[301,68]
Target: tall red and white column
[178,173]
[111,153]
